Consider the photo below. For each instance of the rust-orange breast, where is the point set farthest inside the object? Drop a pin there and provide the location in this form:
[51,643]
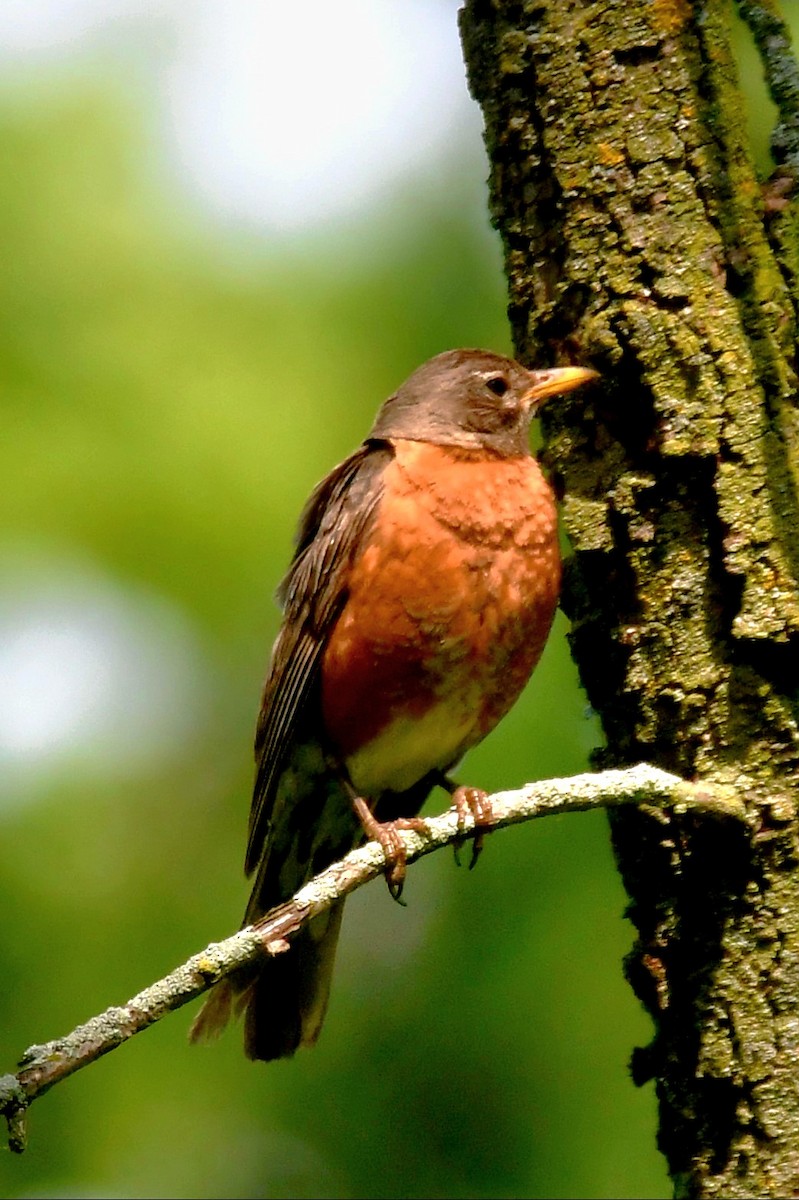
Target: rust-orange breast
[450,602]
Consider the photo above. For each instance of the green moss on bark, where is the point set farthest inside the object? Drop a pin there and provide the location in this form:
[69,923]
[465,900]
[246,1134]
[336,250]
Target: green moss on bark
[638,238]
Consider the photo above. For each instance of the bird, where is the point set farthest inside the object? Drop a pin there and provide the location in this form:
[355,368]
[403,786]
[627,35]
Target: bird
[422,588]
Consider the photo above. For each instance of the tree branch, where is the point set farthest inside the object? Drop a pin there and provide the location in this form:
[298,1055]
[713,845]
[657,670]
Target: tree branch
[42,1066]
[773,39]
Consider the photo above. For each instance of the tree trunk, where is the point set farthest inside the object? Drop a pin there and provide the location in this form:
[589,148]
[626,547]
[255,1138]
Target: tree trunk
[639,240]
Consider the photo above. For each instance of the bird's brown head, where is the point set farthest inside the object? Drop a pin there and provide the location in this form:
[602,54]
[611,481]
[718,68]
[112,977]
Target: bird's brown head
[473,399]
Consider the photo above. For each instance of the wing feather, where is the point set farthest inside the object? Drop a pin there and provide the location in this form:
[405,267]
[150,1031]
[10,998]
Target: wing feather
[313,593]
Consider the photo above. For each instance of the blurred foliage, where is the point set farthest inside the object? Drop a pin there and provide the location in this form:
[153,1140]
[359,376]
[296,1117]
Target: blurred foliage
[170,394]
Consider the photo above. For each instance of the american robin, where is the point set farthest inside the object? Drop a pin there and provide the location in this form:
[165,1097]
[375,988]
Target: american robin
[418,601]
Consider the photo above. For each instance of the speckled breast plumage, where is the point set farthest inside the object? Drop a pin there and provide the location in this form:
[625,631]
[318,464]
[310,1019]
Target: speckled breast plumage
[449,606]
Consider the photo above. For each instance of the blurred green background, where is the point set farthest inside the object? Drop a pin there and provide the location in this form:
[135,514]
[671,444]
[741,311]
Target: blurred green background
[177,373]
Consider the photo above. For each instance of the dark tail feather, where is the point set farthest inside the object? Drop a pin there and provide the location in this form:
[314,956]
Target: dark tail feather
[215,1012]
[285,1004]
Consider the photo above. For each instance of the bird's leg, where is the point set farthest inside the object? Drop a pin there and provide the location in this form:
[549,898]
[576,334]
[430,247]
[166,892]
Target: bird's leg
[386,833]
[465,801]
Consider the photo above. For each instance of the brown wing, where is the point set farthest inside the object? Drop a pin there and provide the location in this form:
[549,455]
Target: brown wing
[313,594]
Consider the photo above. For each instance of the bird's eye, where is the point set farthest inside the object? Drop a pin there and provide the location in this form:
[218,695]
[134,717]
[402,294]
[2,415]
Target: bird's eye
[498,385]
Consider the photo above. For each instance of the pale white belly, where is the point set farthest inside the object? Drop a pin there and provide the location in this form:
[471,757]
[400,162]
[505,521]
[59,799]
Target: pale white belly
[410,747]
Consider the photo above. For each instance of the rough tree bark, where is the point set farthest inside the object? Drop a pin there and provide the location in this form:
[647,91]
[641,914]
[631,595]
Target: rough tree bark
[638,239]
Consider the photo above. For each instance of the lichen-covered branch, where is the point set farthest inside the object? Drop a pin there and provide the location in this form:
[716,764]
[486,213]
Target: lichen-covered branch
[43,1066]
[782,74]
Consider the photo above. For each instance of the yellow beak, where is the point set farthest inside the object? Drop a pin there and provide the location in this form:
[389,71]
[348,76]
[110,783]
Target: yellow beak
[554,381]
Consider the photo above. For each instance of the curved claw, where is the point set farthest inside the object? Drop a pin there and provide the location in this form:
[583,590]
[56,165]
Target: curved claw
[392,845]
[474,802]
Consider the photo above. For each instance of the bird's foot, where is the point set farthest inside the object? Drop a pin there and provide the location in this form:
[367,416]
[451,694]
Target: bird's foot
[387,834]
[474,802]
